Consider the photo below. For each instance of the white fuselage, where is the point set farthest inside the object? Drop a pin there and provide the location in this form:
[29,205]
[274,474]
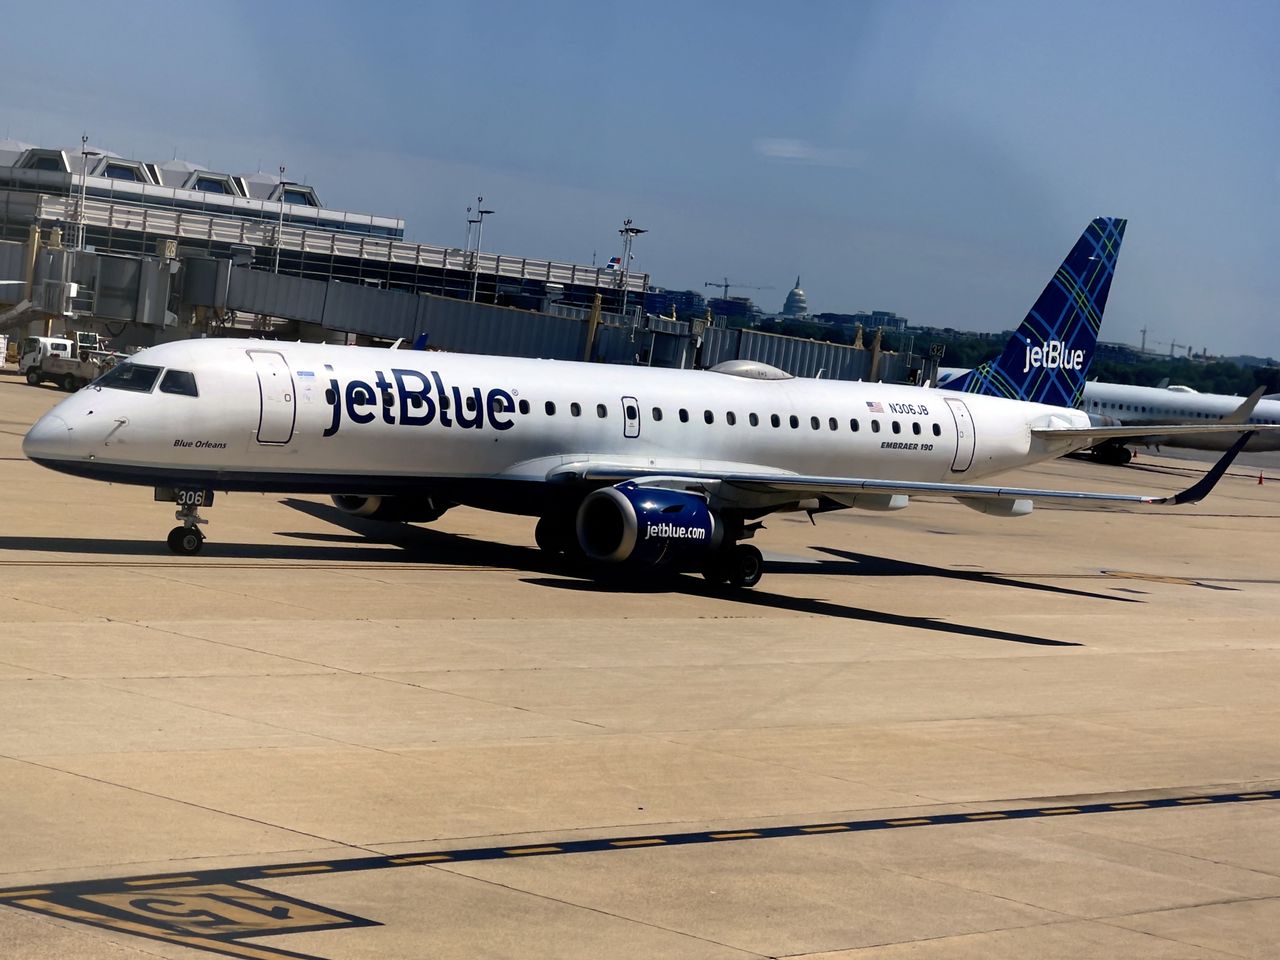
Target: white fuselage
[1139,406]
[312,417]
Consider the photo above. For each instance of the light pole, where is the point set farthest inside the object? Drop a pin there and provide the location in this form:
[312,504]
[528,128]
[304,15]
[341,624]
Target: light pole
[475,260]
[279,223]
[85,154]
[628,233]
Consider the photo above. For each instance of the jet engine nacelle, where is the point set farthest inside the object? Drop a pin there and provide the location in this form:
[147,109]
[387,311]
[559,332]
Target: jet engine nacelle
[403,509]
[645,525]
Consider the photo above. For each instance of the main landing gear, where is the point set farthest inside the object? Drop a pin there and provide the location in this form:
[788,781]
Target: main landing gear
[1116,454]
[735,565]
[187,539]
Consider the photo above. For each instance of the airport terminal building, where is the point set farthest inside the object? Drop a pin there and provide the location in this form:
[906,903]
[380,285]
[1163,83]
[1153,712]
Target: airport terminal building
[147,251]
[107,206]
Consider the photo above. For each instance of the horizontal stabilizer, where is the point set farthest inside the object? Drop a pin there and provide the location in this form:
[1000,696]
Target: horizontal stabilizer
[1139,431]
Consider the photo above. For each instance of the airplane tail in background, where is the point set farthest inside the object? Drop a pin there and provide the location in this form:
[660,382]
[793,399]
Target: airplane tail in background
[1048,357]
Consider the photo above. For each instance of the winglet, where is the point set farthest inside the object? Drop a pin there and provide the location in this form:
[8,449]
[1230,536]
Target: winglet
[1242,413]
[1200,489]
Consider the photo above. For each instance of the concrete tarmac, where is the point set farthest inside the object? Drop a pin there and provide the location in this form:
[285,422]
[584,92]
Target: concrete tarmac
[932,734]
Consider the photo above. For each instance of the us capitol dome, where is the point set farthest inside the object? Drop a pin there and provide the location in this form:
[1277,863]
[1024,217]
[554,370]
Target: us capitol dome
[797,304]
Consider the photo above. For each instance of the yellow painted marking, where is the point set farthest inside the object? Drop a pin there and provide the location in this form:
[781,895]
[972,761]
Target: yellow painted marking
[1195,800]
[985,816]
[825,828]
[740,835]
[1062,810]
[1256,796]
[14,894]
[422,858]
[244,950]
[287,871]
[517,851]
[1136,805]
[647,841]
[908,823]
[157,881]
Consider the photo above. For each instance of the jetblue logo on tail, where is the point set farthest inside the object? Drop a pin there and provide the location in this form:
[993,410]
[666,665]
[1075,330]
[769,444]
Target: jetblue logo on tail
[1047,358]
[1053,355]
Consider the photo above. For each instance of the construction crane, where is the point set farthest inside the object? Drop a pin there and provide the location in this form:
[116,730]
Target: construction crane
[1173,346]
[724,284]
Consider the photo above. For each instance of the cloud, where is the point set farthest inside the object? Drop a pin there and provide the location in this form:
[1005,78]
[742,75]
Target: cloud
[791,150]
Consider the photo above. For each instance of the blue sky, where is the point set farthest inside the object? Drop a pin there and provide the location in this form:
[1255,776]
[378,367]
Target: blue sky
[932,158]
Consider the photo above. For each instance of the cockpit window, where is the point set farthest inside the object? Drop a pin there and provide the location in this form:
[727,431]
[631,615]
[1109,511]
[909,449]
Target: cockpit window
[179,381]
[137,377]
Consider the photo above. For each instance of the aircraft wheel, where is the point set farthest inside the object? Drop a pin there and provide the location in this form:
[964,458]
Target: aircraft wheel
[745,566]
[33,378]
[186,541]
[554,534]
[716,568]
[1123,456]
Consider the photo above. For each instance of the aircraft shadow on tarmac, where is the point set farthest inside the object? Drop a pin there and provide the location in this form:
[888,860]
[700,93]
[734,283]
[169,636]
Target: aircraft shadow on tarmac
[372,540]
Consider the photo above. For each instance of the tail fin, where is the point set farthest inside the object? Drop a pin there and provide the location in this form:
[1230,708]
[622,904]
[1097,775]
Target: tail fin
[1047,359]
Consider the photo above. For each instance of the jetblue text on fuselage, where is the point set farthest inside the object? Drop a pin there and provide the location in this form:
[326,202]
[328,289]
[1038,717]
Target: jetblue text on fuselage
[411,398]
[1053,355]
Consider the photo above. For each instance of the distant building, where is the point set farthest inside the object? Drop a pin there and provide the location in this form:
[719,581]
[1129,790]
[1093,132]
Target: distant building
[737,311]
[174,209]
[687,303]
[797,304]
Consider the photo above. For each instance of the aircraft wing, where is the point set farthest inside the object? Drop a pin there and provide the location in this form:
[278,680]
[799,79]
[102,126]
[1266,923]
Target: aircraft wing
[739,487]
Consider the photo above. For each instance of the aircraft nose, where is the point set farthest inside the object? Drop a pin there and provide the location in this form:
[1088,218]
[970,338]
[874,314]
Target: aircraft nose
[48,438]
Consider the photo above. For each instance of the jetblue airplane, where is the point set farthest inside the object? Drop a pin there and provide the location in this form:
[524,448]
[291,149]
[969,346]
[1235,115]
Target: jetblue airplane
[622,465]
[1148,411]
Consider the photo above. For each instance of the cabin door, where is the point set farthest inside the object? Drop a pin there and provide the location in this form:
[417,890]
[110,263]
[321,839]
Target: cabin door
[630,417]
[964,435]
[275,388]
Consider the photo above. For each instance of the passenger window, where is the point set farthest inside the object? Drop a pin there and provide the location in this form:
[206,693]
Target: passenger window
[897,427]
[550,408]
[731,418]
[854,425]
[833,424]
[330,397]
[915,428]
[632,413]
[575,409]
[937,430]
[815,423]
[181,382]
[657,414]
[415,401]
[684,415]
[471,403]
[875,426]
[753,419]
[388,398]
[708,416]
[775,420]
[601,412]
[444,403]
[524,406]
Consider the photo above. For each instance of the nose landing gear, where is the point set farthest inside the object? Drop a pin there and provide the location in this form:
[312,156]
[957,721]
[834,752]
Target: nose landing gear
[187,539]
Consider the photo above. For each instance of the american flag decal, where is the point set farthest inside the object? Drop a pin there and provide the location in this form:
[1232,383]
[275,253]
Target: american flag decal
[875,406]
